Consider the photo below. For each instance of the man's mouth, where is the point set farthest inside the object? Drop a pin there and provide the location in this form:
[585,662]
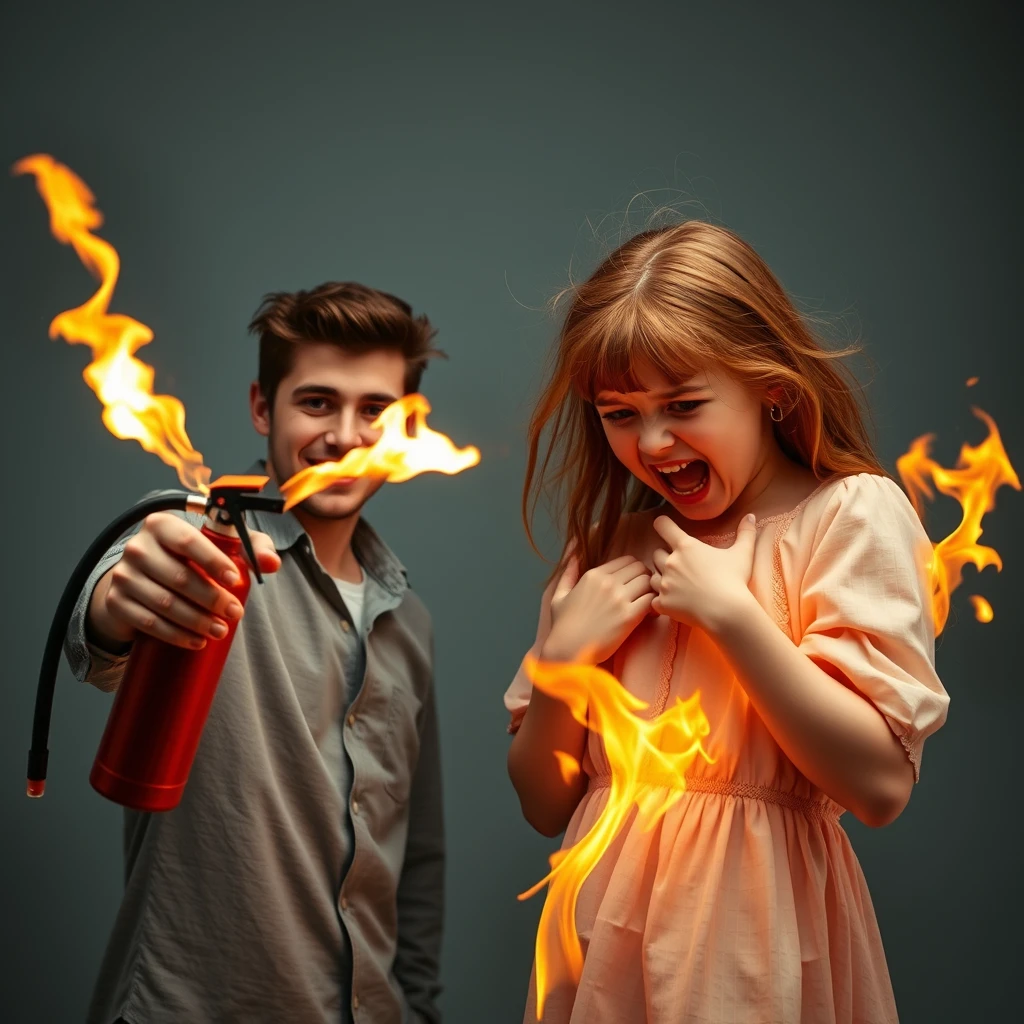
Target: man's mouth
[685,478]
[341,482]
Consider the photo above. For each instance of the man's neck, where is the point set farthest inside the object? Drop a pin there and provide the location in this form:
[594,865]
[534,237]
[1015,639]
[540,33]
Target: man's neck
[332,541]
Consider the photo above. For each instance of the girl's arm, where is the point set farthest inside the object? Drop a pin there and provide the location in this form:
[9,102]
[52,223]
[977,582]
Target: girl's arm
[852,701]
[584,620]
[546,798]
[832,734]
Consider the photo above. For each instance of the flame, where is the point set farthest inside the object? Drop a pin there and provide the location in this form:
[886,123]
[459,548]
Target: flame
[979,473]
[397,455]
[638,749]
[122,383]
[982,609]
[569,767]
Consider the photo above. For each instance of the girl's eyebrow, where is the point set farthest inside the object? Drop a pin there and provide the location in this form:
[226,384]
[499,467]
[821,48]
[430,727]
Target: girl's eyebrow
[612,398]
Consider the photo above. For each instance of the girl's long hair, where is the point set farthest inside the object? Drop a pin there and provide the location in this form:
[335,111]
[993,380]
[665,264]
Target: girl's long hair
[678,300]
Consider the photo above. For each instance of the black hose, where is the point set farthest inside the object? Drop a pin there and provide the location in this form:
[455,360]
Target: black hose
[37,757]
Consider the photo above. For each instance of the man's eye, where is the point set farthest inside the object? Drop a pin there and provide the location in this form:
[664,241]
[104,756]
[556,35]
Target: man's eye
[373,411]
[314,404]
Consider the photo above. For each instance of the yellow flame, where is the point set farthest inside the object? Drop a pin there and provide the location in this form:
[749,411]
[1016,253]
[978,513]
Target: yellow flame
[397,455]
[639,750]
[121,382]
[982,609]
[568,766]
[979,473]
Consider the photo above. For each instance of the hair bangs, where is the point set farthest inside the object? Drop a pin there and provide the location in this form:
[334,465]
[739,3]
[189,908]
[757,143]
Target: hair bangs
[614,355]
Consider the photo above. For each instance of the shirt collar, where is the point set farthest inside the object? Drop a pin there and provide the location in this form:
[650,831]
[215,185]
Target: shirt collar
[371,552]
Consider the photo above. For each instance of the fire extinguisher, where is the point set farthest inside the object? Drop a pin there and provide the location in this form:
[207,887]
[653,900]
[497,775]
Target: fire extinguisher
[162,703]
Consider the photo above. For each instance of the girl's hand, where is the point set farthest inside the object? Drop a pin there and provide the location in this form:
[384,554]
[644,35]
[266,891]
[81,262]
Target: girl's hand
[592,615]
[698,584]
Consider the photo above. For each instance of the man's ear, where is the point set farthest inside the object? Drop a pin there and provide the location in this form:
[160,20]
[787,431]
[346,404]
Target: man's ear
[259,409]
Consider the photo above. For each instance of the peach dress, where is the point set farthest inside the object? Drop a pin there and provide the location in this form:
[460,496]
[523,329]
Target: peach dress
[746,904]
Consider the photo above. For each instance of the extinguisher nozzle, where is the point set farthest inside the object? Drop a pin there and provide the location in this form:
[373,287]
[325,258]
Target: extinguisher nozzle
[35,788]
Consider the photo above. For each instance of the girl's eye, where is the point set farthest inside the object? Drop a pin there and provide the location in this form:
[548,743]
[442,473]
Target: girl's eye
[685,406]
[616,415]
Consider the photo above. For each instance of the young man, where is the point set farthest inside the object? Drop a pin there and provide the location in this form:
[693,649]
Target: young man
[301,877]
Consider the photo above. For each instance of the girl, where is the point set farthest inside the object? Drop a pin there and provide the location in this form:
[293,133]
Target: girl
[747,544]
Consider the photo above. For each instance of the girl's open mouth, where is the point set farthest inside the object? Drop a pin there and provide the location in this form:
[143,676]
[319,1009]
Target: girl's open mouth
[688,483]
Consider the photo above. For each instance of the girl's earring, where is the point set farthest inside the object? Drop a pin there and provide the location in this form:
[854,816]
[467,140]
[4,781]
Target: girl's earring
[776,413]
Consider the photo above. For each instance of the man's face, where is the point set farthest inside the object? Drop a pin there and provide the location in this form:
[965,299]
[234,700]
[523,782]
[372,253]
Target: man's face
[323,408]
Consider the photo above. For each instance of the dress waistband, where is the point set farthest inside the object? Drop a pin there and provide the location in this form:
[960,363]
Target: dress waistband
[816,809]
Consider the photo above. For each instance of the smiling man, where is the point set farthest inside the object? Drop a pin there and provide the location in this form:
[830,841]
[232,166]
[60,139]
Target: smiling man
[301,877]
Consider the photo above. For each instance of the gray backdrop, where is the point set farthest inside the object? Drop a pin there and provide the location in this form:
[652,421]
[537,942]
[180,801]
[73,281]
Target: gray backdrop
[455,154]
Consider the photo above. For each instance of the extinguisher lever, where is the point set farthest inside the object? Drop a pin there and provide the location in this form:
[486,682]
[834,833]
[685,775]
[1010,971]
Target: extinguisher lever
[231,496]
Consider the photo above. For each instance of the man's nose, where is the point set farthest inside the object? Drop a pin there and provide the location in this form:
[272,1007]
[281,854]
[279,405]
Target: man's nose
[344,434]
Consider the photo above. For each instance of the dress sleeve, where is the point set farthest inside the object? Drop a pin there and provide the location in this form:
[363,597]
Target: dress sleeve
[865,606]
[517,696]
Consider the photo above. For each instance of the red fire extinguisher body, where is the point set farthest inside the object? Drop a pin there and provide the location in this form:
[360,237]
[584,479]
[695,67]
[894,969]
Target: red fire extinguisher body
[161,707]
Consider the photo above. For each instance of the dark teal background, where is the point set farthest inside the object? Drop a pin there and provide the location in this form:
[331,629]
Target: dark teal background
[461,155]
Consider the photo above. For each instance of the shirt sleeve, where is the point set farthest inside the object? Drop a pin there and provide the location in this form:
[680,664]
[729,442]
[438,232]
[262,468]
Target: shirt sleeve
[865,606]
[420,897]
[89,663]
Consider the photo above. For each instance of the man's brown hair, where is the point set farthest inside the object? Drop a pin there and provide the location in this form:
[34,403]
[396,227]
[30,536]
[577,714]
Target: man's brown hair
[352,316]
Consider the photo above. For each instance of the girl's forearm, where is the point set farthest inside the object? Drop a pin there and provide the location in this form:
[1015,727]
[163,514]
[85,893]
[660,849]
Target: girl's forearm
[833,735]
[548,800]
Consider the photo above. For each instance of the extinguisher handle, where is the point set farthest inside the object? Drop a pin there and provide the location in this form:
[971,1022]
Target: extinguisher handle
[234,504]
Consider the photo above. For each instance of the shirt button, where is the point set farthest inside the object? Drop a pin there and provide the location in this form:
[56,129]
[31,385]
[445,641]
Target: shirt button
[351,719]
[355,1002]
[355,806]
[344,903]
[345,627]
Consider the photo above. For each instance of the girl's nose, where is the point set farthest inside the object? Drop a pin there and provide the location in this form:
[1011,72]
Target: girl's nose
[655,438]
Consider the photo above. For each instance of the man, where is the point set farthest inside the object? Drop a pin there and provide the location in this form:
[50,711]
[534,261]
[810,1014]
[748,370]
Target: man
[301,877]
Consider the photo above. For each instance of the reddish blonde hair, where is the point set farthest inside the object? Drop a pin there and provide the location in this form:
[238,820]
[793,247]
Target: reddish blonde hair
[679,299]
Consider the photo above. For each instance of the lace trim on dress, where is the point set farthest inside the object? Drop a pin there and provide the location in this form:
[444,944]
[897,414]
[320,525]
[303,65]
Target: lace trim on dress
[913,753]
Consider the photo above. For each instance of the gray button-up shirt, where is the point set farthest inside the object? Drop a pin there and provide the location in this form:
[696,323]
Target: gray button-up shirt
[301,876]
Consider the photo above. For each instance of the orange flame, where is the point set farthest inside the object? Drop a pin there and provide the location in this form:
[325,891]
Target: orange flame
[979,473]
[637,749]
[121,382]
[397,455]
[982,609]
[568,766]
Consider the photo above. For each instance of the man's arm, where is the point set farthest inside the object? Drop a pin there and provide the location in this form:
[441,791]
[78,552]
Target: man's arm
[88,661]
[421,886]
[146,584]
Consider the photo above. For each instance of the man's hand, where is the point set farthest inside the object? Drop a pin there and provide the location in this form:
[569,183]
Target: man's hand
[153,589]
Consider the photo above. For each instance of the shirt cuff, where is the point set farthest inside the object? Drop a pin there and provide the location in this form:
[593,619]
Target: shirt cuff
[105,670]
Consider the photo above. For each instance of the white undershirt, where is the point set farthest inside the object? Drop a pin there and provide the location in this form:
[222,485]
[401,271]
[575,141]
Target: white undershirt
[353,594]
